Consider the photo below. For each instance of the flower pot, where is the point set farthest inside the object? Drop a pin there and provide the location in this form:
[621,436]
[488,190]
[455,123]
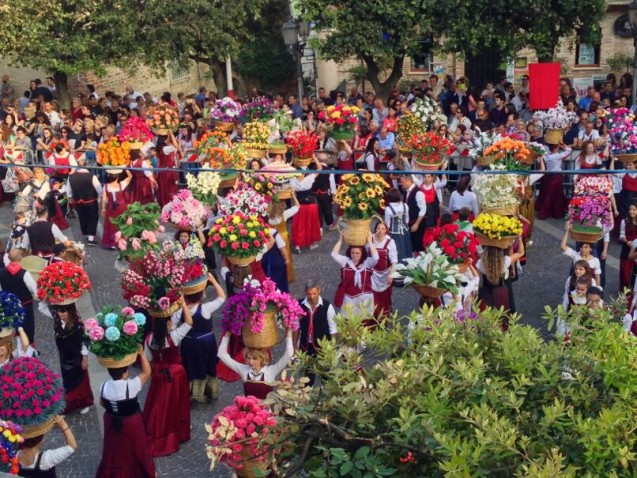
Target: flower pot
[428,291]
[256,153]
[226,126]
[586,234]
[63,301]
[268,337]
[32,431]
[253,467]
[277,149]
[553,136]
[110,362]
[195,286]
[356,232]
[302,162]
[502,243]
[241,261]
[627,158]
[164,314]
[342,134]
[136,144]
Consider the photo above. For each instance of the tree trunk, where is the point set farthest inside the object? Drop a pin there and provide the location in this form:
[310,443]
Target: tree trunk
[62,88]
[219,75]
[382,89]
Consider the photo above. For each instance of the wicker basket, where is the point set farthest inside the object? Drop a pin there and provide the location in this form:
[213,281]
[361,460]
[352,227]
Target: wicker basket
[589,236]
[554,136]
[109,362]
[284,194]
[277,149]
[226,126]
[164,314]
[195,287]
[161,131]
[268,337]
[64,302]
[229,182]
[510,210]
[6,332]
[32,431]
[256,153]
[627,158]
[302,162]
[251,464]
[356,232]
[73,255]
[241,261]
[136,144]
[484,160]
[503,243]
[427,166]
[428,291]
[462,268]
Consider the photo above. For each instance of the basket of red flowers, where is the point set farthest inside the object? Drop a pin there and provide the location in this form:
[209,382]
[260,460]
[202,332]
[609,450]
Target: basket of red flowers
[62,283]
[429,150]
[460,247]
[302,145]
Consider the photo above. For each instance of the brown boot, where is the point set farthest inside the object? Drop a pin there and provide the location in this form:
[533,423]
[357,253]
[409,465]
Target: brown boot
[197,391]
[212,387]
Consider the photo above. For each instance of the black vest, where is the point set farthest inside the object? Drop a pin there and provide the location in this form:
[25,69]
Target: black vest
[410,199]
[82,186]
[14,283]
[321,327]
[41,237]
[321,183]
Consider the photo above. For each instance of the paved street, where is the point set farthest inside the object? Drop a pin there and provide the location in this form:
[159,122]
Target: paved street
[542,283]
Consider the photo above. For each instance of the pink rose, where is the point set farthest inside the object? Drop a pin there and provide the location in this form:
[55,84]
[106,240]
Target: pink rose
[129,221]
[136,244]
[164,303]
[96,333]
[90,324]
[121,244]
[130,327]
[118,236]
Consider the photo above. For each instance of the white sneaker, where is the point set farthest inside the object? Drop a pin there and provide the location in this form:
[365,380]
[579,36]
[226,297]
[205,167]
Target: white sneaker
[85,410]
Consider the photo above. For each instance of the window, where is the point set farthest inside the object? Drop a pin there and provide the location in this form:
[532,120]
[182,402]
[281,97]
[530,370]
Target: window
[178,73]
[423,59]
[586,54]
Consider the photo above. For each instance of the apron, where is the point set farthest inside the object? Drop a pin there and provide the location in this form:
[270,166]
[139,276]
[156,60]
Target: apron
[257,387]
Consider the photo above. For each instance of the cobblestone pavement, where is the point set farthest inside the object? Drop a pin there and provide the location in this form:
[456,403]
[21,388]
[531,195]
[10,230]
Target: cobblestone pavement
[542,283]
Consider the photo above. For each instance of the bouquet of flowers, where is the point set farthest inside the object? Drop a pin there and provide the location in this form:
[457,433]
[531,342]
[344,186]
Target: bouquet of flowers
[237,432]
[138,226]
[165,118]
[261,183]
[496,226]
[495,190]
[256,134]
[260,108]
[282,122]
[592,210]
[302,144]
[238,235]
[427,111]
[244,199]
[194,262]
[430,268]
[10,440]
[362,196]
[429,149]
[482,142]
[343,119]
[204,186]
[11,312]
[556,118]
[226,110]
[537,150]
[153,281]
[509,152]
[135,131]
[459,246]
[115,334]
[408,125]
[62,283]
[32,395]
[212,139]
[184,211]
[586,184]
[622,131]
[248,307]
[113,153]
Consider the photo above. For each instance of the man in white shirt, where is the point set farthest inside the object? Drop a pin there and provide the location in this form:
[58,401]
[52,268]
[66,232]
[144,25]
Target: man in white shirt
[587,134]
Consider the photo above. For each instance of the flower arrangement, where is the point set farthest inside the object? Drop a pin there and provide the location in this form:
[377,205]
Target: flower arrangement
[204,186]
[246,199]
[408,125]
[261,183]
[301,144]
[495,190]
[509,152]
[259,108]
[429,149]
[236,433]
[279,172]
[362,196]
[212,139]
[115,332]
[248,306]
[592,210]
[62,282]
[496,226]
[31,393]
[226,110]
[10,440]
[194,262]
[238,235]
[184,211]
[556,117]
[343,119]
[459,246]
[586,184]
[427,111]
[113,153]
[12,313]
[135,131]
[164,118]
[282,122]
[622,131]
[153,281]
[482,142]
[137,229]
[537,149]
[256,134]
[430,268]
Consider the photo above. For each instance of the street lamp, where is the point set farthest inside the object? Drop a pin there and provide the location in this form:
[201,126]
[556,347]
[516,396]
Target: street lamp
[291,31]
[632,18]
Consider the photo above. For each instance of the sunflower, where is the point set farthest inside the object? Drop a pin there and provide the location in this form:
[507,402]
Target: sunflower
[378,190]
[347,202]
[370,193]
[362,206]
[354,181]
[368,177]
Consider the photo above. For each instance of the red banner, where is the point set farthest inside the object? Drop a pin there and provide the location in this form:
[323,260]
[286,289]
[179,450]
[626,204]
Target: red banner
[544,85]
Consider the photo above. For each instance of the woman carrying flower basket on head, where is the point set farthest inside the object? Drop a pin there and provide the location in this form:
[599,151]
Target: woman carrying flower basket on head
[551,201]
[306,225]
[167,408]
[113,204]
[72,348]
[494,266]
[166,180]
[431,187]
[383,270]
[275,259]
[11,348]
[143,183]
[277,218]
[627,234]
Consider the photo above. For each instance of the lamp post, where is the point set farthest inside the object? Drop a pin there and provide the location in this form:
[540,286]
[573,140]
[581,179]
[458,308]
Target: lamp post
[632,18]
[291,31]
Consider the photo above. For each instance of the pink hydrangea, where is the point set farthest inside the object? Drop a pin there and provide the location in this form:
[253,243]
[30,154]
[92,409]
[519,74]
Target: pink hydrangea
[128,311]
[163,303]
[130,327]
[96,333]
[90,324]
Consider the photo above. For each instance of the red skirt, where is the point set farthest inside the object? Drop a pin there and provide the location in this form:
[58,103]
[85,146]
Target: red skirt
[59,220]
[80,397]
[125,454]
[306,226]
[551,201]
[625,273]
[110,229]
[166,186]
[382,303]
[167,409]
[141,190]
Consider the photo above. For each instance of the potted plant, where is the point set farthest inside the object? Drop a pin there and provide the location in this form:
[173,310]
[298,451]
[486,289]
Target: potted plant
[460,247]
[12,314]
[135,132]
[343,120]
[255,313]
[622,132]
[137,227]
[32,395]
[555,120]
[256,134]
[429,150]
[114,335]
[510,153]
[246,199]
[236,436]
[360,197]
[204,186]
[62,283]
[10,440]
[184,212]
[225,113]
[589,216]
[195,277]
[164,119]
[302,145]
[239,237]
[431,273]
[259,108]
[496,193]
[113,153]
[496,230]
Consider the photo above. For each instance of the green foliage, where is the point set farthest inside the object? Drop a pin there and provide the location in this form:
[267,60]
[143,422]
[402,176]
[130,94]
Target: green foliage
[621,62]
[466,399]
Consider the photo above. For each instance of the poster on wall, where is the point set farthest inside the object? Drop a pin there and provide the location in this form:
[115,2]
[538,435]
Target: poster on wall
[581,85]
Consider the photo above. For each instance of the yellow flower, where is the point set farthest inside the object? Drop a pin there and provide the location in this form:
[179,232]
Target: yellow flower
[378,190]
[347,202]
[223,230]
[233,237]
[368,177]
[362,206]
[347,177]
[370,193]
[252,234]
[336,114]
[236,220]
[354,181]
